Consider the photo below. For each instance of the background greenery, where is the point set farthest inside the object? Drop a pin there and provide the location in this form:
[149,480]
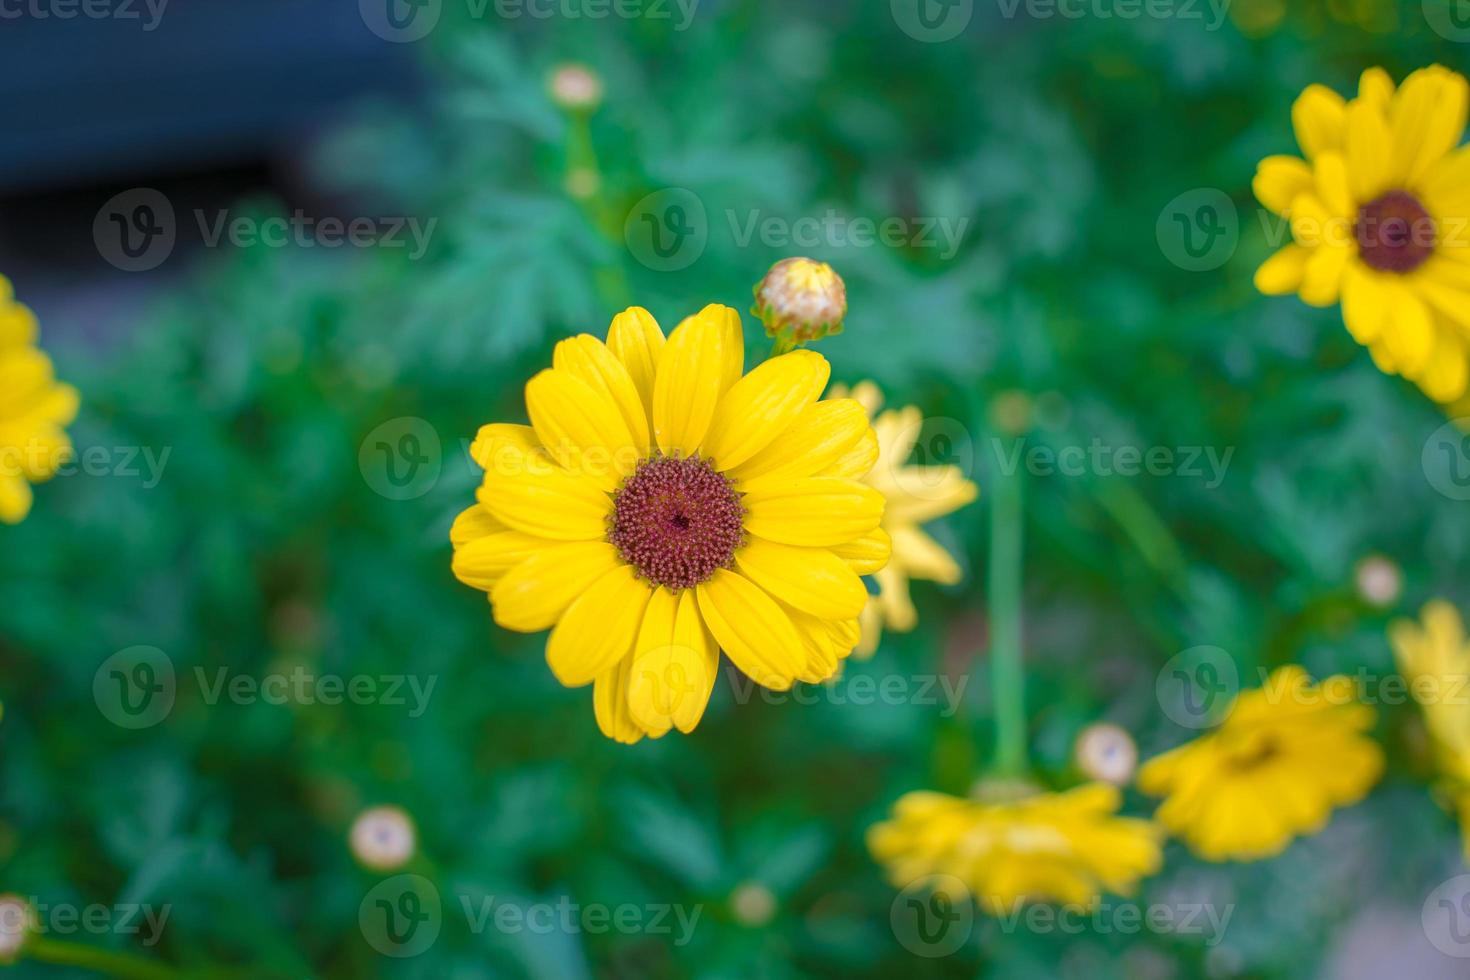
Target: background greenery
[265,546]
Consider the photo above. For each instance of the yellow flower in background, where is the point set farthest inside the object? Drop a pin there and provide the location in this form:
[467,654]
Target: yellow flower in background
[1380,219]
[34,410]
[1434,657]
[915,494]
[1067,847]
[661,507]
[1287,755]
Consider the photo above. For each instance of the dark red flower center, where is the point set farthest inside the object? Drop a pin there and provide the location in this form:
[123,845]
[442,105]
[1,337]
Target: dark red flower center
[1395,233]
[676,520]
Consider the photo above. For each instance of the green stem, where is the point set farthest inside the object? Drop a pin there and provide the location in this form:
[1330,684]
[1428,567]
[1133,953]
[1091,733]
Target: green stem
[581,155]
[783,344]
[1007,679]
[104,961]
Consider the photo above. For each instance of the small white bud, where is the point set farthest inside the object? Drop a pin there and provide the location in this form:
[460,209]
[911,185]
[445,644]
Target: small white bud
[383,838]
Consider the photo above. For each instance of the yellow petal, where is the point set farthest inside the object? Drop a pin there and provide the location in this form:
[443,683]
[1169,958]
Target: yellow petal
[760,407]
[870,630]
[1331,181]
[529,493]
[474,522]
[1282,273]
[501,444]
[1278,181]
[1409,335]
[675,663]
[1319,116]
[1369,151]
[482,562]
[598,628]
[638,342]
[610,704]
[813,580]
[581,428]
[923,557]
[687,389]
[15,499]
[1446,192]
[1365,303]
[821,655]
[922,493]
[752,630]
[1376,88]
[17,324]
[867,554]
[1322,278]
[588,358]
[815,511]
[1427,120]
[534,593]
[1446,376]
[821,434]
[732,341]
[858,460]
[893,598]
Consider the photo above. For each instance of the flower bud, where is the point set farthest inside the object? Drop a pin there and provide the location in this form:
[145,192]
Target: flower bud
[1107,753]
[576,87]
[1379,581]
[801,300]
[752,904]
[383,838]
[17,923]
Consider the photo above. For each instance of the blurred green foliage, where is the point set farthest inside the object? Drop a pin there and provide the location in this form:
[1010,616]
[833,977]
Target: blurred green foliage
[264,546]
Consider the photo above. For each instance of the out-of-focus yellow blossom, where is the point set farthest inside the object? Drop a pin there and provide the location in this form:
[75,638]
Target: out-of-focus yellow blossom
[1379,212]
[1287,755]
[34,410]
[1434,657]
[915,494]
[1067,847]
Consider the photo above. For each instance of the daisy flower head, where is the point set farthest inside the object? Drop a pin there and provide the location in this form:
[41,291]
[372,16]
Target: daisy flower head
[915,495]
[1379,211]
[663,505]
[1026,846]
[1433,654]
[1287,754]
[34,410]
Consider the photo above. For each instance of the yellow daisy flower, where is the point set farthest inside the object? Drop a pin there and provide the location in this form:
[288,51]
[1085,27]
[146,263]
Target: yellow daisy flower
[34,410]
[1434,657]
[1287,754]
[915,494]
[661,507]
[1065,847]
[1380,219]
